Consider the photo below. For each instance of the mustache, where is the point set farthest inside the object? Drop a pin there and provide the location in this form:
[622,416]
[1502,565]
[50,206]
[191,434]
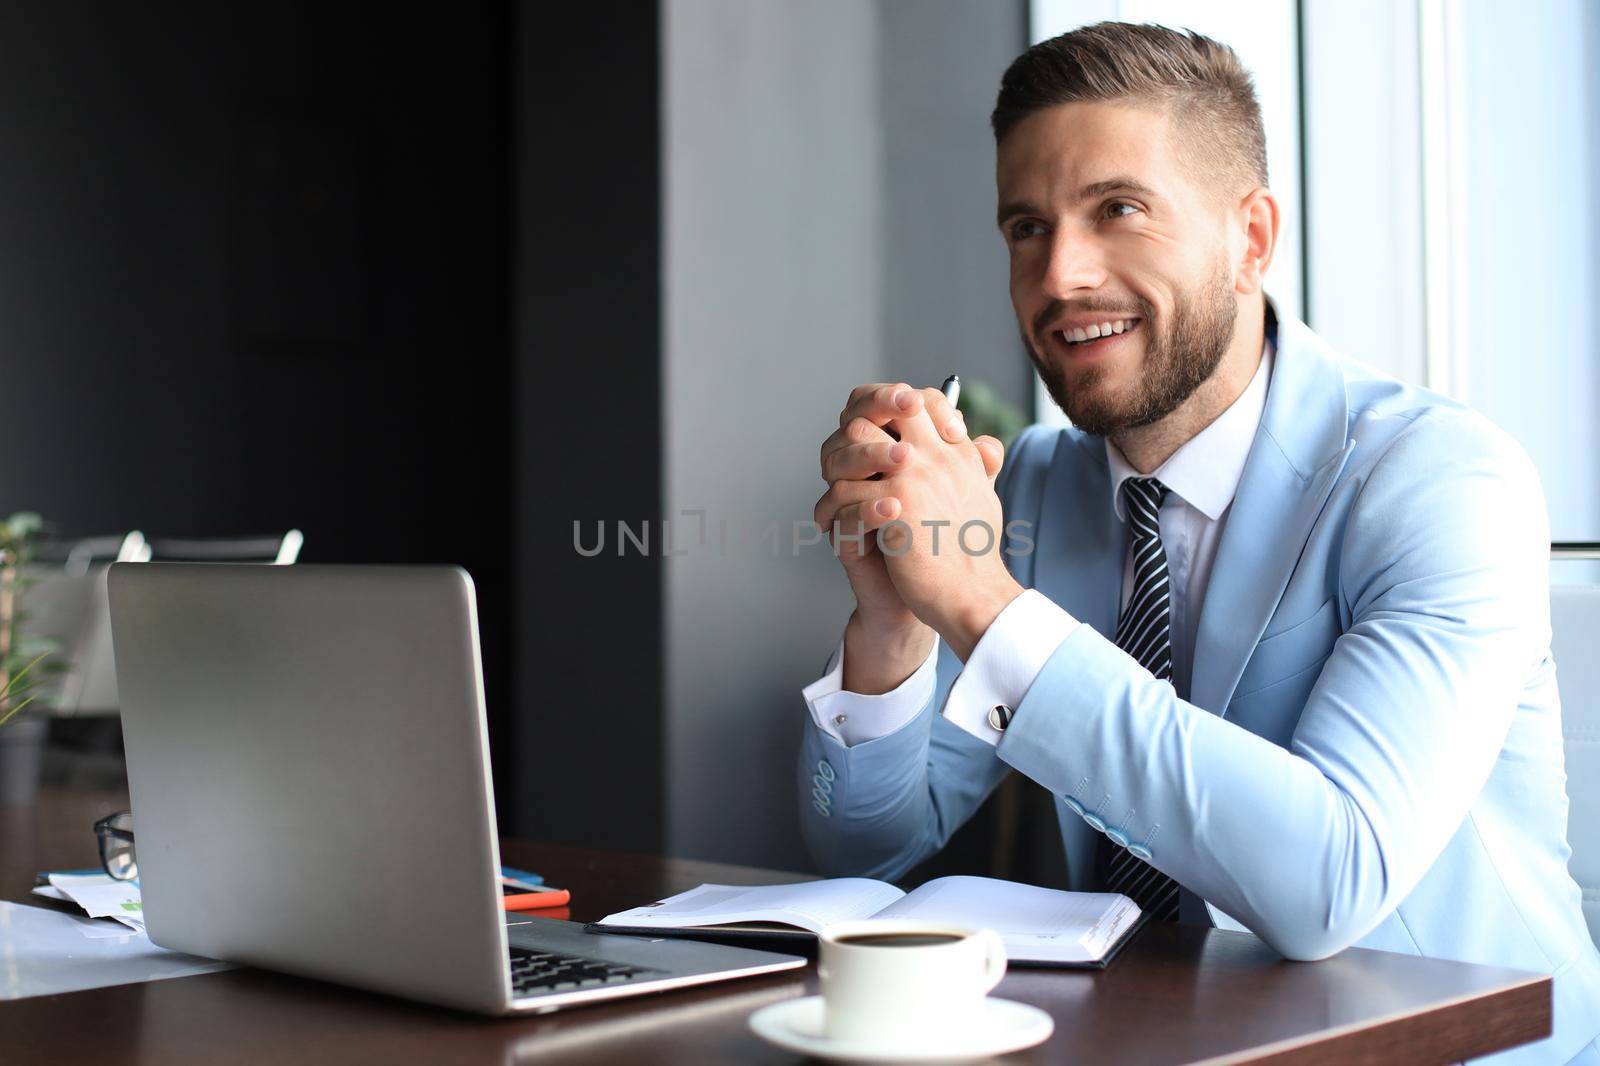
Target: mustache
[1057,308]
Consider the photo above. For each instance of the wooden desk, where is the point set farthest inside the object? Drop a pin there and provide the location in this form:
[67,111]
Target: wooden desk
[1177,994]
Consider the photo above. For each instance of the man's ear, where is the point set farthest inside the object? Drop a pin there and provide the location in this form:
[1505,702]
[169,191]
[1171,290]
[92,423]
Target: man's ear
[1256,219]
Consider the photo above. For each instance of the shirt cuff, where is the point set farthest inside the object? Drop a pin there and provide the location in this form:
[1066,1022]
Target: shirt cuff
[1008,657]
[852,718]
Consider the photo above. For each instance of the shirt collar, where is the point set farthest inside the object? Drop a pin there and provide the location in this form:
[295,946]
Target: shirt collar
[1205,471]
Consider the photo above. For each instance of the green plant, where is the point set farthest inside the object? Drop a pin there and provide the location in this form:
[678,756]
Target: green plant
[988,413]
[20,682]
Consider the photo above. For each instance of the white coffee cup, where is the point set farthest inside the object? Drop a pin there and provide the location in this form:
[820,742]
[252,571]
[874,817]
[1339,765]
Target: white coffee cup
[906,982]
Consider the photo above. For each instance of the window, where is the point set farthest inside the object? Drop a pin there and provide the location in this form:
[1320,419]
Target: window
[1446,225]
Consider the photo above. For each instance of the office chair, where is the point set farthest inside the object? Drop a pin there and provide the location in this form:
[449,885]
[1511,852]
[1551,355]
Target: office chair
[66,602]
[70,603]
[75,557]
[1575,626]
[276,550]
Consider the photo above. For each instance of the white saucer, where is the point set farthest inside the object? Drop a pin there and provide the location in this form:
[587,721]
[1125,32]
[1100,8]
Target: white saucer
[796,1024]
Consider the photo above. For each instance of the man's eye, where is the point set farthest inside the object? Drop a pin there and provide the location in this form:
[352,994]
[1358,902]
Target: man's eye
[1026,228]
[1112,210]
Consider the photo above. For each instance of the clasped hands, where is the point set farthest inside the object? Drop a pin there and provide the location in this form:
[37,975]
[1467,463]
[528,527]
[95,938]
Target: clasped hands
[915,521]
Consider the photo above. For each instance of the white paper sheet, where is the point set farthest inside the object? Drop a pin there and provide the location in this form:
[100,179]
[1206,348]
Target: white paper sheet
[102,896]
[44,952]
[811,905]
[102,928]
[1037,924]
[117,925]
[1225,921]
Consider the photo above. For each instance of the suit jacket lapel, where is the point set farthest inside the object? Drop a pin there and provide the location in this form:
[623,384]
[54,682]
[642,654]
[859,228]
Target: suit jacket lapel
[1297,455]
[1078,535]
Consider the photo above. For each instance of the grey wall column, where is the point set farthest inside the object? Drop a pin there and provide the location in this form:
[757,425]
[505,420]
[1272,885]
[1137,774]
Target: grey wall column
[827,220]
[772,282]
[946,304]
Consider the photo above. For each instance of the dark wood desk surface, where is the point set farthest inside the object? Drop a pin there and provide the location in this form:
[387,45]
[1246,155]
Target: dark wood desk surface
[1177,994]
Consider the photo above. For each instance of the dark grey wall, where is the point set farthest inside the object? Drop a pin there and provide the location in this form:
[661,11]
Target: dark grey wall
[252,276]
[586,289]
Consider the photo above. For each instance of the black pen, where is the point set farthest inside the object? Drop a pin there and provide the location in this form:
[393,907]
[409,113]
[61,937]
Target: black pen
[951,388]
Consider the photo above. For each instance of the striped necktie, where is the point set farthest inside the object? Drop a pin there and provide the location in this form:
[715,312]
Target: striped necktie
[1144,632]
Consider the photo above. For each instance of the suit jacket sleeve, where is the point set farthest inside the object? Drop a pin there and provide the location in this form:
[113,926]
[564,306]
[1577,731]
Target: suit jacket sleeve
[886,804]
[1443,580]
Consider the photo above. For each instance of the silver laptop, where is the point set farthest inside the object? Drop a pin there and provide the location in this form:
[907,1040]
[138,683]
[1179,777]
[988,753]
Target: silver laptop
[309,764]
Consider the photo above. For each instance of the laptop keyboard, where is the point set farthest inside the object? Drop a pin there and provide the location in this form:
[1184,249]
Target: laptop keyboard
[551,971]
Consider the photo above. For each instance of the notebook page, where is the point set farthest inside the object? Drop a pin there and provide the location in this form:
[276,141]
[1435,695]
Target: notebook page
[1037,924]
[810,905]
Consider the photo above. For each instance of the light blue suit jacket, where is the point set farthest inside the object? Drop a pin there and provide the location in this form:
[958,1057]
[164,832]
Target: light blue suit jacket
[1371,754]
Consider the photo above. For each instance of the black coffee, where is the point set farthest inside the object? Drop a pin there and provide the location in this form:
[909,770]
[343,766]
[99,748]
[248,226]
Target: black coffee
[899,940]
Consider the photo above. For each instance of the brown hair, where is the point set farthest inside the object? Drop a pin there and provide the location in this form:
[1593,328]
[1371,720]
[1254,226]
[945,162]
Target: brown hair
[1199,82]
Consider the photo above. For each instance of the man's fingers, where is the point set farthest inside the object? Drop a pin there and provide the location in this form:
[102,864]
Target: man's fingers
[993,453]
[881,404]
[842,494]
[857,462]
[919,431]
[855,432]
[863,519]
[950,423]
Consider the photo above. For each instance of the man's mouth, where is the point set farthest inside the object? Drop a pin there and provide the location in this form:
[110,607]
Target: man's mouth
[1095,336]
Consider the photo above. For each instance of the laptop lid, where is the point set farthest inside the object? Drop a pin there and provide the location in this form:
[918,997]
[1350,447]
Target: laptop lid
[308,761]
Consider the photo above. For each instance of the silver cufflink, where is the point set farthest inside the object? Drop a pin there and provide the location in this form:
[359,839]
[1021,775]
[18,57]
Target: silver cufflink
[999,717]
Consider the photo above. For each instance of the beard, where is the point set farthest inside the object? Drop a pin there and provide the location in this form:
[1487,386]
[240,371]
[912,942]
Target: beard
[1179,358]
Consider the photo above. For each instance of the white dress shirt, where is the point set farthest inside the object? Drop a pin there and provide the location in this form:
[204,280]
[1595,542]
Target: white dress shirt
[1202,477]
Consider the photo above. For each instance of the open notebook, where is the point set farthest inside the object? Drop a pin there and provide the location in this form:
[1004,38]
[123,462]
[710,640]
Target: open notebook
[1041,926]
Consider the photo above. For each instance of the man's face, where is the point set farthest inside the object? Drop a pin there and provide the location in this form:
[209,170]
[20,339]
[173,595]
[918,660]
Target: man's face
[1120,273]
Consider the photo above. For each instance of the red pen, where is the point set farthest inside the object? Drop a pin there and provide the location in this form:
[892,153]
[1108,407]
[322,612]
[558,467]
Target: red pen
[521,896]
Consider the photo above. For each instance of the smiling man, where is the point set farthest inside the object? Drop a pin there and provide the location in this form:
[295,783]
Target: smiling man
[1271,627]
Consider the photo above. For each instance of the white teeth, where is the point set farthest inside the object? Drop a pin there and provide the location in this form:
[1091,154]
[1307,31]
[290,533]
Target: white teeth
[1078,335]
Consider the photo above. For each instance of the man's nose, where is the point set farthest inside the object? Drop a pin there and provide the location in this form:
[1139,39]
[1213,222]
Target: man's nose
[1075,264]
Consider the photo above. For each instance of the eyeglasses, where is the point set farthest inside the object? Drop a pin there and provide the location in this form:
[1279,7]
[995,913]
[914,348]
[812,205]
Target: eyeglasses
[115,833]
